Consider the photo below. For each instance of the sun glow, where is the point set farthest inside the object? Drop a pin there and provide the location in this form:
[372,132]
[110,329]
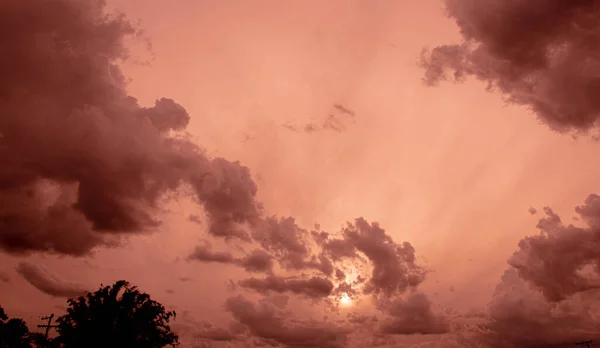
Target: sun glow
[345,300]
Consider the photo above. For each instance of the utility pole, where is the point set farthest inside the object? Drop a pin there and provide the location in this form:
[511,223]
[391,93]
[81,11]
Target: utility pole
[49,325]
[587,343]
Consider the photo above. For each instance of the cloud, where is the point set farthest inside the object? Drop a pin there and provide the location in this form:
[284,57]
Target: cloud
[83,162]
[413,315]
[279,301]
[310,260]
[562,260]
[540,54]
[394,267]
[256,261]
[550,295]
[314,287]
[307,265]
[519,316]
[47,282]
[4,277]
[387,273]
[336,121]
[215,334]
[205,254]
[268,326]
[289,244]
[202,333]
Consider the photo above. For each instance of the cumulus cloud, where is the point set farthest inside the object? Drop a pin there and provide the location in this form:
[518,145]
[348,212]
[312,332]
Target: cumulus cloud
[562,260]
[394,268]
[413,315]
[47,282]
[271,327]
[550,295]
[542,54]
[520,316]
[83,162]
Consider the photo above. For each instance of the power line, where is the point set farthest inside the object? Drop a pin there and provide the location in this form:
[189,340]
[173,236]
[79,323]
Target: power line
[47,326]
[17,312]
[587,343]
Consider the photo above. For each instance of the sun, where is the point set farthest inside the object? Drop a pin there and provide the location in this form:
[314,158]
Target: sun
[345,300]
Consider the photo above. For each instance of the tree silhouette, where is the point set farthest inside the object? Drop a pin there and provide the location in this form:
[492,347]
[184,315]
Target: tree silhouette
[116,316]
[39,340]
[13,332]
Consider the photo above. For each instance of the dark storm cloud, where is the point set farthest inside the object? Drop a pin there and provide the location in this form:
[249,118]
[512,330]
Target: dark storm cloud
[82,161]
[48,283]
[543,54]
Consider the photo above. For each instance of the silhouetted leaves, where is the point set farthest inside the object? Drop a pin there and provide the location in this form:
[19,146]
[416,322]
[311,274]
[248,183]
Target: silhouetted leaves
[39,340]
[13,332]
[116,316]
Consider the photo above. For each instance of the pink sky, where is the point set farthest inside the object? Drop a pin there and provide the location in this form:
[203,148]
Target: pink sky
[450,169]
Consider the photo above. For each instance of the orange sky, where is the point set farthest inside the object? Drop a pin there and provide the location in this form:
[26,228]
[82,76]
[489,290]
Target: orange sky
[452,169]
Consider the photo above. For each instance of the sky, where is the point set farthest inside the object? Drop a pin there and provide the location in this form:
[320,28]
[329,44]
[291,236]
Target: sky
[342,173]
